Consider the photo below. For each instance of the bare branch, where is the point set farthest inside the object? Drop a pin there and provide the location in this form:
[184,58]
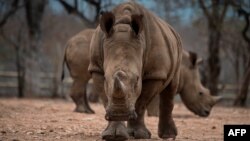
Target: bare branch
[74,11]
[97,5]
[246,15]
[12,11]
[246,27]
[224,11]
[93,2]
[205,10]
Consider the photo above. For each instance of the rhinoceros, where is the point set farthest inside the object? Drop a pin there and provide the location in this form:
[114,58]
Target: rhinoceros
[194,95]
[134,55]
[76,57]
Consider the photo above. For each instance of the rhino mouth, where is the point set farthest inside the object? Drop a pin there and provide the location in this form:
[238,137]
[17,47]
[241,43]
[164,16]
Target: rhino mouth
[120,114]
[204,113]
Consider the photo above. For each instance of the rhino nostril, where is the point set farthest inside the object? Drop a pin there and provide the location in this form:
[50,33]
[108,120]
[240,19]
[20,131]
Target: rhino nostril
[207,112]
[132,115]
[107,117]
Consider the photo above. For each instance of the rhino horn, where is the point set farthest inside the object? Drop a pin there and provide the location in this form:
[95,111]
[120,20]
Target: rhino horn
[118,80]
[217,98]
[199,61]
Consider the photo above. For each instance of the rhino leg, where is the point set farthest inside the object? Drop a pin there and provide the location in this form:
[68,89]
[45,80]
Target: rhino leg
[98,83]
[116,130]
[137,127]
[92,93]
[166,126]
[78,94]
[153,107]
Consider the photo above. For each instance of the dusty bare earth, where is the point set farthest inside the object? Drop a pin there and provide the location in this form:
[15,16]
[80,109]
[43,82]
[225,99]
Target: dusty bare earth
[47,119]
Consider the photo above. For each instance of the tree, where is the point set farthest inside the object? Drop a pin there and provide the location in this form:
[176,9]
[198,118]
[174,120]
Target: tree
[74,9]
[31,52]
[27,57]
[242,95]
[215,14]
[10,8]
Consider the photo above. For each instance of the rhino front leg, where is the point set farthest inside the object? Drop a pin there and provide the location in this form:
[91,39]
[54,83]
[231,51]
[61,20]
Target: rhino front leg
[78,95]
[166,126]
[137,127]
[116,130]
[98,83]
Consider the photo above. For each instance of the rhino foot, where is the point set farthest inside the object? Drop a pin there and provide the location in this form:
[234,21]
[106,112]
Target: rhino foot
[82,109]
[167,130]
[116,131]
[139,132]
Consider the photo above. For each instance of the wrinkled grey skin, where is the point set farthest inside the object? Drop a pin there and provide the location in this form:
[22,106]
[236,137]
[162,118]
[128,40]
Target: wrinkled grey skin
[194,95]
[135,55]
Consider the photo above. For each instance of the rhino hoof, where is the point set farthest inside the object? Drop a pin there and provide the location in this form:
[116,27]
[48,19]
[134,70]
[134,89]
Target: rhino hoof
[82,109]
[169,134]
[139,133]
[115,132]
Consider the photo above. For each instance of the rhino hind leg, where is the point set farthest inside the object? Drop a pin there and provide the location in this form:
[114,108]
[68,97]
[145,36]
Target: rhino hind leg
[78,95]
[166,127]
[92,93]
[137,127]
[116,131]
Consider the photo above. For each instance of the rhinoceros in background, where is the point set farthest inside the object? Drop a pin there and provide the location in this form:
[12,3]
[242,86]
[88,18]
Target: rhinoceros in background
[135,55]
[194,95]
[76,57]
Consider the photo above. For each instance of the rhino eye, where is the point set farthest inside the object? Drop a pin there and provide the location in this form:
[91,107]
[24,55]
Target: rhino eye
[200,93]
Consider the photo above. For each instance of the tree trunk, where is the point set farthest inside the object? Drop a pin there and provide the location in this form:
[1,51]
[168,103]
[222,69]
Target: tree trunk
[31,56]
[242,96]
[58,69]
[213,59]
[20,72]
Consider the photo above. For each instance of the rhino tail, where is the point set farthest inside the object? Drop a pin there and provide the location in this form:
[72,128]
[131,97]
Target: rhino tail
[64,61]
[63,72]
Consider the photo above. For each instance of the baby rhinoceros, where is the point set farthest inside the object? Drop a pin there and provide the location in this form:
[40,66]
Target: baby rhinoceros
[194,95]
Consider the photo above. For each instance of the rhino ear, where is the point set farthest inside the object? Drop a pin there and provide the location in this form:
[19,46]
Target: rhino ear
[107,21]
[193,58]
[136,23]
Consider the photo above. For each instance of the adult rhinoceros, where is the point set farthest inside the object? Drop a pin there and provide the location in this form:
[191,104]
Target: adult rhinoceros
[135,55]
[194,95]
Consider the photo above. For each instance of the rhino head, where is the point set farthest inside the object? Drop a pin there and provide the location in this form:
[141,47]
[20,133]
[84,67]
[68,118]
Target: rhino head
[123,47]
[195,96]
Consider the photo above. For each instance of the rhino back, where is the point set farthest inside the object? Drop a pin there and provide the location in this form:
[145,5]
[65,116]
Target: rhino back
[77,53]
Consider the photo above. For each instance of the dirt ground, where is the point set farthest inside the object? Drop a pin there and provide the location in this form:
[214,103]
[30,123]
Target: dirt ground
[48,119]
